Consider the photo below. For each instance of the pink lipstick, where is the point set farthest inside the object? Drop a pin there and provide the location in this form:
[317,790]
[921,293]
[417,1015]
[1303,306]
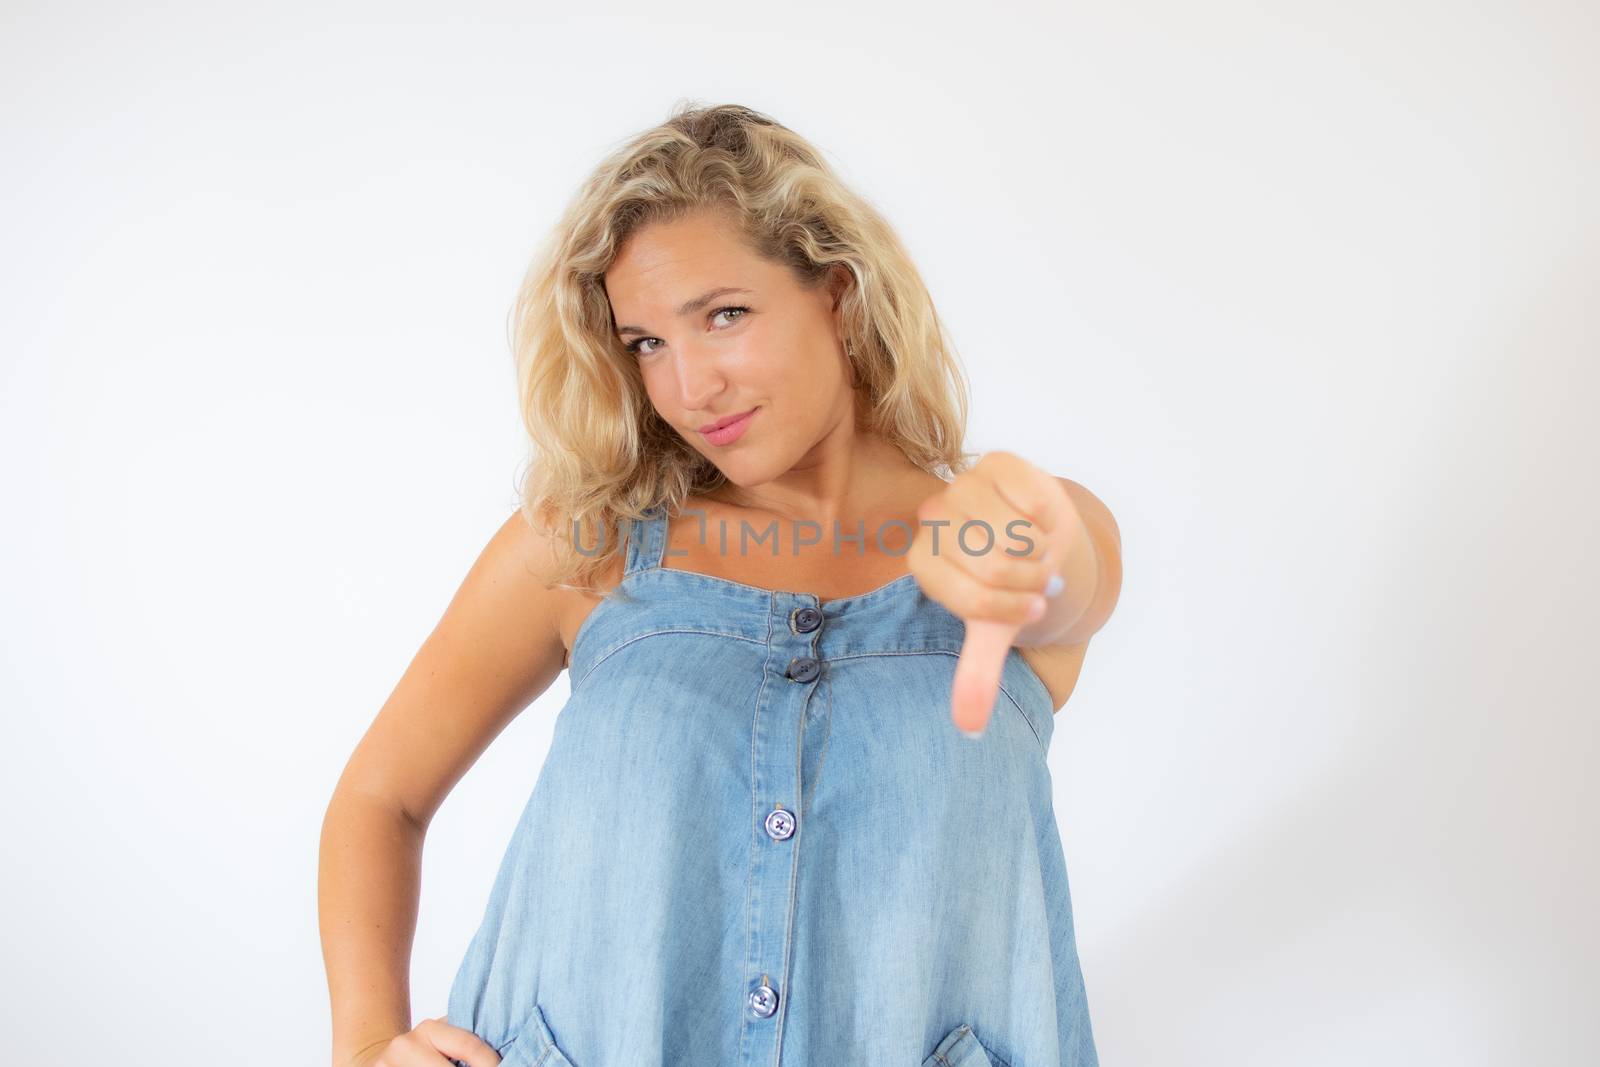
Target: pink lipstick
[726,431]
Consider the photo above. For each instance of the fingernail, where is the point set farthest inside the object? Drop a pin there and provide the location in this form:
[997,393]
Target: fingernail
[1054,585]
[1036,609]
[974,734]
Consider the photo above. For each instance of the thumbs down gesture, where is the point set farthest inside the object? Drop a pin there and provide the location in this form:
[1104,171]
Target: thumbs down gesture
[990,548]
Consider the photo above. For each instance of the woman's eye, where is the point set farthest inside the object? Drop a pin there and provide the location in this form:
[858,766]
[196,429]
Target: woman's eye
[633,346]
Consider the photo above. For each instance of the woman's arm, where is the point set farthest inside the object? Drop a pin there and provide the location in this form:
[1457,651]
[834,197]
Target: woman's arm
[497,647]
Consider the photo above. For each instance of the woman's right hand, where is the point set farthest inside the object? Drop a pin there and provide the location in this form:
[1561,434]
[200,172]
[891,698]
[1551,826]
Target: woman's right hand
[431,1043]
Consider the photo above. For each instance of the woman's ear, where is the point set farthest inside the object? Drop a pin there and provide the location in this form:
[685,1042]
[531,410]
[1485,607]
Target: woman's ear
[840,279]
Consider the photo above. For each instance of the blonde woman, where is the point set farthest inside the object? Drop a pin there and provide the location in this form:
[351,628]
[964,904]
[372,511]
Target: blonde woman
[796,809]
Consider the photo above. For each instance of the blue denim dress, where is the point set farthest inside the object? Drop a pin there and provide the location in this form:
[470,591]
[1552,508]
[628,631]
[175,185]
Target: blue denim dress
[757,839]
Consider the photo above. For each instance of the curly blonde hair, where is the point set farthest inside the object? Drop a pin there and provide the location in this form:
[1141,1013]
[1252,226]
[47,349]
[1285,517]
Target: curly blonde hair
[600,453]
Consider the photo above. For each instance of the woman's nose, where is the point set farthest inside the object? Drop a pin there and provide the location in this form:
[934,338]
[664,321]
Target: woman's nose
[700,379]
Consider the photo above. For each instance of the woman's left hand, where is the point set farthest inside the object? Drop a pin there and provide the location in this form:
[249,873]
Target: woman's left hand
[1010,525]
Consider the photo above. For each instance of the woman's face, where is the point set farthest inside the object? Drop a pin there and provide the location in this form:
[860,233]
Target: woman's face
[767,345]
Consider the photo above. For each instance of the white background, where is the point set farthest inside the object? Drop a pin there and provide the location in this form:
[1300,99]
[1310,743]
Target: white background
[1306,293]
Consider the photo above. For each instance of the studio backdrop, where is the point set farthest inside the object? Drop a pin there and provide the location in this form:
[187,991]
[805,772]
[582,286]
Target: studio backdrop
[1305,293]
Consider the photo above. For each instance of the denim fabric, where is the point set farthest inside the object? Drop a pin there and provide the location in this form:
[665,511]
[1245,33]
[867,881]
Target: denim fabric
[728,861]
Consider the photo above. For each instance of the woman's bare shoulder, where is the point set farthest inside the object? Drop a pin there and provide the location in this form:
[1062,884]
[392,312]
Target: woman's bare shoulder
[570,604]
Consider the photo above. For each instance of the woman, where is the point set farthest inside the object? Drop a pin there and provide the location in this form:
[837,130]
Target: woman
[759,836]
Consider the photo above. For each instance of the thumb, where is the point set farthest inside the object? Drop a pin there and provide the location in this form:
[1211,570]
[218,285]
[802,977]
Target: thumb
[977,678]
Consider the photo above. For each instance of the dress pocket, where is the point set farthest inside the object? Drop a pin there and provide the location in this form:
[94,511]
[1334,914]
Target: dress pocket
[960,1048]
[534,1046]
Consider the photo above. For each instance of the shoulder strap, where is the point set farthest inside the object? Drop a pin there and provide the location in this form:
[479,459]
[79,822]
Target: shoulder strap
[647,540]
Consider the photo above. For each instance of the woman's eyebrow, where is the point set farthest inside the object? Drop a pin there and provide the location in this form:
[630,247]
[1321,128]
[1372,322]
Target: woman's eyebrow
[691,306]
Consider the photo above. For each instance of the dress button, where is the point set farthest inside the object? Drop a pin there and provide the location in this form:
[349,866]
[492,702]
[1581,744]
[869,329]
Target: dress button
[804,668]
[804,620]
[780,824]
[763,1000]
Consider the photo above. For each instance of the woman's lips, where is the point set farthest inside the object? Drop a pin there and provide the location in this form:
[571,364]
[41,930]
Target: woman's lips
[726,435]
